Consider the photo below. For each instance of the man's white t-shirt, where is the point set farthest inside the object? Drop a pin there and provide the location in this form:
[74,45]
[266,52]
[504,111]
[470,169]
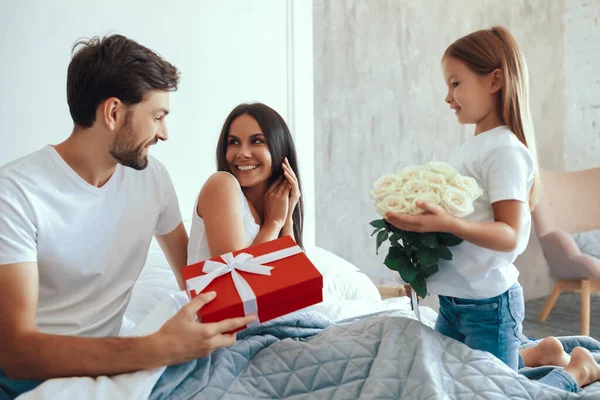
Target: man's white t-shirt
[90,243]
[503,167]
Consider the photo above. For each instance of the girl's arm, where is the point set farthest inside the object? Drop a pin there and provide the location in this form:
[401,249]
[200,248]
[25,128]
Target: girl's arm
[500,235]
[507,172]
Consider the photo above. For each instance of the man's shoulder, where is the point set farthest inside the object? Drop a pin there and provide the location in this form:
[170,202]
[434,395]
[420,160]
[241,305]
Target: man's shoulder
[27,161]
[25,167]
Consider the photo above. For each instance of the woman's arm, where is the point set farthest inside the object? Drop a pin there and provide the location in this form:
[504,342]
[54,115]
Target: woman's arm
[292,180]
[220,208]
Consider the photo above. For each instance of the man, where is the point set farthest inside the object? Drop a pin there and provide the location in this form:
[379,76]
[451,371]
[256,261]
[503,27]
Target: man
[76,222]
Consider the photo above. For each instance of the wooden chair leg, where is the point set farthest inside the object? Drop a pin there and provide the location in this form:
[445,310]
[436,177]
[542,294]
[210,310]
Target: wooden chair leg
[551,301]
[585,306]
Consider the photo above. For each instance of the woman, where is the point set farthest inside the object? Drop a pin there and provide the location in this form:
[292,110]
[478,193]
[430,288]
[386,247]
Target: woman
[255,196]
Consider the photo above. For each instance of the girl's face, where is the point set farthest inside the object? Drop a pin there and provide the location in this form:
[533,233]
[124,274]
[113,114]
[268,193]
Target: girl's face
[247,152]
[473,97]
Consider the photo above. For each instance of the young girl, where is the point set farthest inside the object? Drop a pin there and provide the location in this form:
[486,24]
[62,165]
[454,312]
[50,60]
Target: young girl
[255,196]
[481,300]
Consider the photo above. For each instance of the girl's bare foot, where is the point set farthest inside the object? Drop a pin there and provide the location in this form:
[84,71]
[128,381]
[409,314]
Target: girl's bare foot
[553,352]
[583,367]
[549,351]
[388,291]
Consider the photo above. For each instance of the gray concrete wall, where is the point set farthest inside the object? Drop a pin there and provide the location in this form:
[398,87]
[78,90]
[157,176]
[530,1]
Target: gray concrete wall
[379,102]
[582,84]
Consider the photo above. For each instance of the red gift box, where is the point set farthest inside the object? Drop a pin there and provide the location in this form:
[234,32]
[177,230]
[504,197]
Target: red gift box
[291,284]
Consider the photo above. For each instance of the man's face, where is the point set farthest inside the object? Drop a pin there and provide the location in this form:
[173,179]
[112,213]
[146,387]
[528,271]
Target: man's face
[143,126]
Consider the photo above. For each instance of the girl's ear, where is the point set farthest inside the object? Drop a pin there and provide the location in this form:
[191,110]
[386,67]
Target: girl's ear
[497,80]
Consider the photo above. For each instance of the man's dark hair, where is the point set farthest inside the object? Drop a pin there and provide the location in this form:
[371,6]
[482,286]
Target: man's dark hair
[113,66]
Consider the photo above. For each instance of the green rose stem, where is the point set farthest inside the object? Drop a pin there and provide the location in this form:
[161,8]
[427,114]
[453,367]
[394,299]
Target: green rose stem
[414,256]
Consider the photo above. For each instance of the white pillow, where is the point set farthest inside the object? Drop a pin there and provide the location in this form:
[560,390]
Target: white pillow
[588,242]
[341,281]
[351,285]
[327,262]
[155,282]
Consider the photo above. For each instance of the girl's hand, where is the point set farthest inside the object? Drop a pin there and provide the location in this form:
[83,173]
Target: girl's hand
[435,219]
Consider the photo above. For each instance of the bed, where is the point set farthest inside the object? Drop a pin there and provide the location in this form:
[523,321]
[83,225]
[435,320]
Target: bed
[353,345]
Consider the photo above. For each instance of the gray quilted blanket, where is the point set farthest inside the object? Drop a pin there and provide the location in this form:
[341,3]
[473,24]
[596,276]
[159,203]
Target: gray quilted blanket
[376,357]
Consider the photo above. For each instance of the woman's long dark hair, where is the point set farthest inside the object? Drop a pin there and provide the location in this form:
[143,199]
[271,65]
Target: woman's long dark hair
[280,143]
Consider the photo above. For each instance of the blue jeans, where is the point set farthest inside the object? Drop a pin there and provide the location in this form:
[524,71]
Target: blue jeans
[556,376]
[10,389]
[493,325]
[560,379]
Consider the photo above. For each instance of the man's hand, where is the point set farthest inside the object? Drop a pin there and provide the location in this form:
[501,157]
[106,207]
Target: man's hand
[185,339]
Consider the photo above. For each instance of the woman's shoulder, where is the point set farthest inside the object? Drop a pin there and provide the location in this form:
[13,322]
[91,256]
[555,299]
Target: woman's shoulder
[220,188]
[222,179]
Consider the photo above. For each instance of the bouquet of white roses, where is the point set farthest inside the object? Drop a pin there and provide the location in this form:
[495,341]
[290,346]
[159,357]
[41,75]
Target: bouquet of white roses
[416,255]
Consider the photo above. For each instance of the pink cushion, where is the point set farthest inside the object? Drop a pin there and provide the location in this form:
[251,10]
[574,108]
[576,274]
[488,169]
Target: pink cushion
[565,259]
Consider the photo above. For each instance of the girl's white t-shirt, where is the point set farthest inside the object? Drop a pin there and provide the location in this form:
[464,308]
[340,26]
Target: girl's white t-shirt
[503,167]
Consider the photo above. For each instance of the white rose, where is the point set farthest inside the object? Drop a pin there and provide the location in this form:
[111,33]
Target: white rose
[414,187]
[430,197]
[385,185]
[392,203]
[412,172]
[434,179]
[442,168]
[457,202]
[468,185]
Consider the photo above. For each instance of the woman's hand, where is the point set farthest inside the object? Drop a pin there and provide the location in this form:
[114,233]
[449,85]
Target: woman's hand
[276,203]
[292,180]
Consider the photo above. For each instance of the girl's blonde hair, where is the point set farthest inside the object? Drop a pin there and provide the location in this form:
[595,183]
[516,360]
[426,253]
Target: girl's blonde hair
[495,48]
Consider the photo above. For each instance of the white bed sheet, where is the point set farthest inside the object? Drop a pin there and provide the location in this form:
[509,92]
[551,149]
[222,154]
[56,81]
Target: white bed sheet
[138,385]
[348,293]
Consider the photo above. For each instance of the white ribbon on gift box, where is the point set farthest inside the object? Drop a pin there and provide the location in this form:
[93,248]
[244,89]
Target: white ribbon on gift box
[242,262]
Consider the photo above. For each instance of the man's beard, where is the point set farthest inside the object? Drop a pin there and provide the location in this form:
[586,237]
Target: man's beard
[124,150]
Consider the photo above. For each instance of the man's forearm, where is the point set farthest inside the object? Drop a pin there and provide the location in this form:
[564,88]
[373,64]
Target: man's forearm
[44,356]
